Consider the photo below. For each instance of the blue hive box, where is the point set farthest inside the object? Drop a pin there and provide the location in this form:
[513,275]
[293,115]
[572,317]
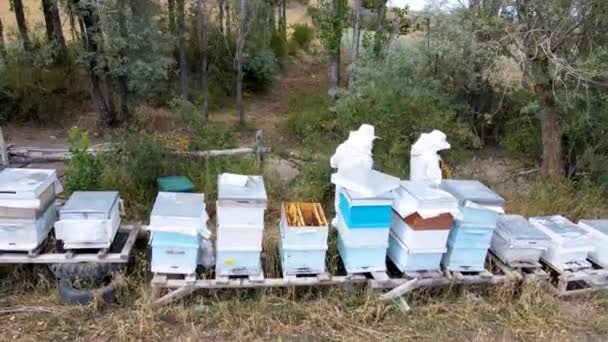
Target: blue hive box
[174,253]
[464,236]
[365,212]
[361,259]
[465,259]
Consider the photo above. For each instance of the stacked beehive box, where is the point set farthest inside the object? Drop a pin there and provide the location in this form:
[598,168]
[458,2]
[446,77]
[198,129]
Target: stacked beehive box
[516,242]
[89,219]
[569,244]
[364,220]
[470,238]
[241,205]
[599,233]
[178,223]
[303,241]
[421,221]
[27,212]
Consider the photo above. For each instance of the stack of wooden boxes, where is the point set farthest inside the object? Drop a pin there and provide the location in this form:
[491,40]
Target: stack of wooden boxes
[569,244]
[421,221]
[517,243]
[364,220]
[27,210]
[89,219]
[241,205]
[303,244]
[599,233]
[471,235]
[178,223]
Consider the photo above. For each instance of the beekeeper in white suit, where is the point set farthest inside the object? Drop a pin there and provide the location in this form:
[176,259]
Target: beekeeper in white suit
[424,157]
[353,158]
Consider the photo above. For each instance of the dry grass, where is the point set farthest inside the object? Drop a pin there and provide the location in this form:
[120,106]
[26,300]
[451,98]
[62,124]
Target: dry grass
[504,313]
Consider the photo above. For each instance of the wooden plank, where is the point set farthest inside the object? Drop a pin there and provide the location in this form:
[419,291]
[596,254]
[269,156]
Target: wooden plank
[266,283]
[3,151]
[380,276]
[401,290]
[126,249]
[444,281]
[175,295]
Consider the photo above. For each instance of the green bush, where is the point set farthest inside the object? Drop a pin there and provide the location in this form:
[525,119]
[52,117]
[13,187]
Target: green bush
[84,168]
[35,93]
[293,47]
[401,105]
[259,68]
[278,46]
[302,34]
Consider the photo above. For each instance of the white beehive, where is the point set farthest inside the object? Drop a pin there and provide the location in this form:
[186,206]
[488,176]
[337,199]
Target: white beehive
[26,193]
[178,223]
[569,244]
[516,241]
[240,207]
[89,219]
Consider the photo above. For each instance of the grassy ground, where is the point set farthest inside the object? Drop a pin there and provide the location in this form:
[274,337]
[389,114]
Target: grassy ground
[506,313]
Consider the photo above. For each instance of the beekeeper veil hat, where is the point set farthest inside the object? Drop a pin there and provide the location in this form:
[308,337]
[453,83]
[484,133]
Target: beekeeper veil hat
[430,143]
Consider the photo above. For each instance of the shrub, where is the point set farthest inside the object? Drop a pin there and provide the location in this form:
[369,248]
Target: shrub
[391,96]
[259,68]
[33,93]
[293,47]
[303,34]
[83,168]
[278,46]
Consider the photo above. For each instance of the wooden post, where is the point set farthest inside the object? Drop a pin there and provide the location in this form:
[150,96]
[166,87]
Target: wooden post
[259,149]
[3,153]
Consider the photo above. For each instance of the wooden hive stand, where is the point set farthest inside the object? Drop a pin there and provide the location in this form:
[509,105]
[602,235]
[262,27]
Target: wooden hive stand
[577,279]
[47,253]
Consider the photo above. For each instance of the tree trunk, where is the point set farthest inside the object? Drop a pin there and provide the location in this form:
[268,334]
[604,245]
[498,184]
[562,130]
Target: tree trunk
[355,47]
[21,23]
[238,63]
[48,21]
[123,83]
[2,45]
[203,45]
[181,45]
[220,14]
[54,29]
[283,19]
[334,61]
[171,13]
[93,41]
[228,20]
[273,20]
[553,166]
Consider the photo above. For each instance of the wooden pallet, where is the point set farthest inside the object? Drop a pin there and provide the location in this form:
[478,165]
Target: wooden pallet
[42,256]
[180,288]
[520,270]
[577,280]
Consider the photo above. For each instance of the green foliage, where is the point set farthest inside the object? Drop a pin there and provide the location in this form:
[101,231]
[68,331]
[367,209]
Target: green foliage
[302,34]
[259,68]
[293,47]
[313,183]
[38,92]
[391,96]
[84,168]
[204,135]
[330,23]
[279,46]
[310,118]
[575,200]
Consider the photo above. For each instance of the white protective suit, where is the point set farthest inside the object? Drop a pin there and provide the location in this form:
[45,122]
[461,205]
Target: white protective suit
[424,157]
[353,158]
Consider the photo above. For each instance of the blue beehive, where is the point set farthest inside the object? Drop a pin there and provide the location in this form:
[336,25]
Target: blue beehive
[365,212]
[174,253]
[471,236]
[465,259]
[361,258]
